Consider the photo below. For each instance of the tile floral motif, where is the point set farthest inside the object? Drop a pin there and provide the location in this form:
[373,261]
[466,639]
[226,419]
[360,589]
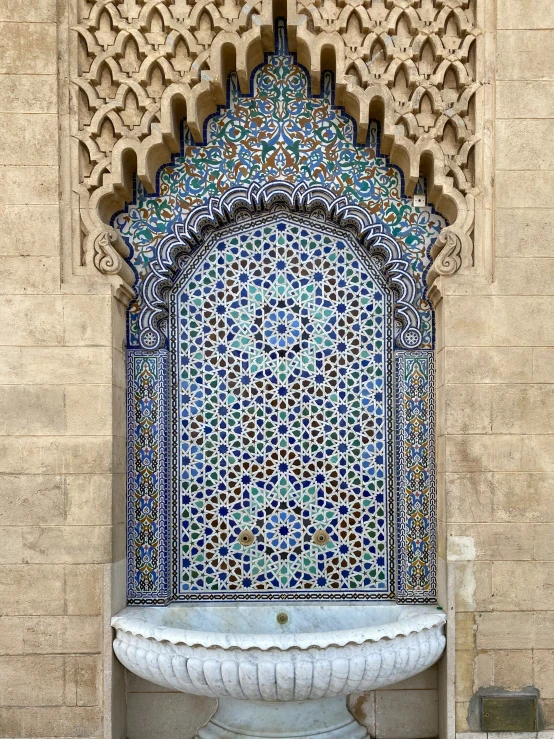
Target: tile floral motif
[416,476]
[147,503]
[281,132]
[282,392]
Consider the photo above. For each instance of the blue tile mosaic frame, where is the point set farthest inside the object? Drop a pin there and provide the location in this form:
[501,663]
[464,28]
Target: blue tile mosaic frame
[367,179]
[415,468]
[147,493]
[305,361]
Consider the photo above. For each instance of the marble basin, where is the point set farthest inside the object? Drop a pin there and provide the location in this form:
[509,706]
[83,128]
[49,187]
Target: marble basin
[279,670]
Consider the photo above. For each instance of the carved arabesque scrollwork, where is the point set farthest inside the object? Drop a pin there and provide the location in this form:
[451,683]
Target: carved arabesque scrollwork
[144,65]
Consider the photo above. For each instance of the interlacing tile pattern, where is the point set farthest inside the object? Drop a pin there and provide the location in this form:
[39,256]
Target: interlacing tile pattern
[282,385]
[284,425]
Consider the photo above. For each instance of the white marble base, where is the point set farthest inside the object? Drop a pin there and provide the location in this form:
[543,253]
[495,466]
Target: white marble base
[324,719]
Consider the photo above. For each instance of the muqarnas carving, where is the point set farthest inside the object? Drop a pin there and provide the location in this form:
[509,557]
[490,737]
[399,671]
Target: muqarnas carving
[142,67]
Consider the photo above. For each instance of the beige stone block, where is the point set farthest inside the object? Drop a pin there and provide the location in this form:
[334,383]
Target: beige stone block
[31,499]
[51,722]
[513,669]
[465,631]
[31,409]
[56,365]
[162,715]
[523,497]
[89,500]
[31,680]
[67,544]
[119,325]
[468,409]
[427,680]
[468,320]
[523,409]
[524,232]
[547,707]
[119,369]
[407,714]
[525,99]
[543,542]
[88,409]
[480,365]
[461,709]
[543,365]
[525,14]
[29,139]
[468,453]
[525,55]
[362,707]
[483,672]
[83,680]
[50,634]
[544,630]
[83,589]
[52,455]
[119,499]
[515,453]
[544,448]
[473,586]
[87,320]
[27,93]
[522,586]
[528,189]
[29,231]
[39,11]
[29,275]
[505,630]
[15,41]
[522,276]
[31,320]
[29,185]
[469,497]
[536,154]
[464,675]
[119,542]
[510,541]
[135,684]
[11,546]
[30,590]
[543,672]
[119,411]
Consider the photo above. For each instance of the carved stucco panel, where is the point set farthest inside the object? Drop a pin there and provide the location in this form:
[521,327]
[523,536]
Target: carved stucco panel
[143,66]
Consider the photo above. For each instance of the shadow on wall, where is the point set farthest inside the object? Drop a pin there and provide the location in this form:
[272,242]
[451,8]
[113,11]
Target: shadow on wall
[407,710]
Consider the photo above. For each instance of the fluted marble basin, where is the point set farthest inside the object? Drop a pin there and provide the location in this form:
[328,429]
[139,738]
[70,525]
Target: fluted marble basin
[277,679]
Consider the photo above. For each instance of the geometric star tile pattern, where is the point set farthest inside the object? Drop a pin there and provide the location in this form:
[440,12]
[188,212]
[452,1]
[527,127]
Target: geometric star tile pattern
[282,394]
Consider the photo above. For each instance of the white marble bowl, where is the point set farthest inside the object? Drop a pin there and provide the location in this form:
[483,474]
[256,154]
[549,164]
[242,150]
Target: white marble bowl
[243,653]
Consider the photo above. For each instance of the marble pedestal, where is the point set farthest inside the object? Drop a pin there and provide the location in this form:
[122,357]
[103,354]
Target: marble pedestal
[326,719]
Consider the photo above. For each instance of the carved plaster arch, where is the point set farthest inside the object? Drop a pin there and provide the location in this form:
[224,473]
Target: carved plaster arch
[241,203]
[323,35]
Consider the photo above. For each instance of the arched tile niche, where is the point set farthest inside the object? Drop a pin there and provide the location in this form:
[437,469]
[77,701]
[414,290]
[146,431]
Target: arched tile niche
[280,360]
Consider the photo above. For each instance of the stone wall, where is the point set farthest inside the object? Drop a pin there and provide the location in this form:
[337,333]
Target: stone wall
[496,369]
[62,398]
[61,431]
